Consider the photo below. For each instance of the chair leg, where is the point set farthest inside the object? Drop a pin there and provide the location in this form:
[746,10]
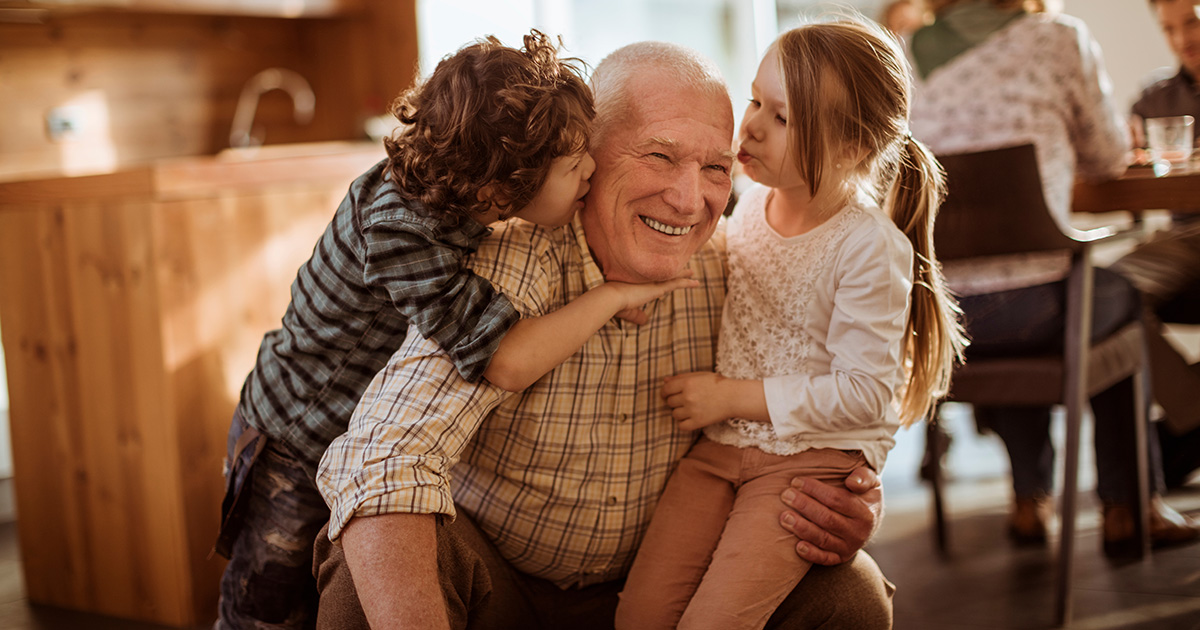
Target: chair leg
[936,443]
[1078,334]
[1142,510]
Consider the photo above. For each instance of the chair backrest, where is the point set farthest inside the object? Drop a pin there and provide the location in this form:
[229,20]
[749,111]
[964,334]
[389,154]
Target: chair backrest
[995,206]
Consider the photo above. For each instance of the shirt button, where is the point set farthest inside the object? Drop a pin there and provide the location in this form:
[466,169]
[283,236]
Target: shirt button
[611,500]
[623,418]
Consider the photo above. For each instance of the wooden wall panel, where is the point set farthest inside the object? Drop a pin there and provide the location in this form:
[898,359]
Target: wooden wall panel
[225,275]
[167,85]
[40,343]
[135,524]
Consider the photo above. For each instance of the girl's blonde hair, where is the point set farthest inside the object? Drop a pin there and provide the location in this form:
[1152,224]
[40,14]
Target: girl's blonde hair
[848,87]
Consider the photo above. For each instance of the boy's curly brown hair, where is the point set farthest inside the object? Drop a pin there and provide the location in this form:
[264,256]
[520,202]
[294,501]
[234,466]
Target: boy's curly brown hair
[489,114]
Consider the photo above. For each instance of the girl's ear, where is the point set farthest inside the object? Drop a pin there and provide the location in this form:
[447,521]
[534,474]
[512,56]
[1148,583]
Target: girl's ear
[852,156]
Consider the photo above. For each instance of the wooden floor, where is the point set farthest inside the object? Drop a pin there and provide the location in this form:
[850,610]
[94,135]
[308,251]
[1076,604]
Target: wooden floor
[984,583]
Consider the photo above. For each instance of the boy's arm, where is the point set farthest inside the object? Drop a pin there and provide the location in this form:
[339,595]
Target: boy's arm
[536,345]
[429,284]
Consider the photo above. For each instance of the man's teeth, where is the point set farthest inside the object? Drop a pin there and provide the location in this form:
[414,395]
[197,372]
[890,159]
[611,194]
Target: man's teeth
[666,229]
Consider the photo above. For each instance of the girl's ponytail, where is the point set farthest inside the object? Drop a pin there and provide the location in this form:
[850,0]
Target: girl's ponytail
[934,331]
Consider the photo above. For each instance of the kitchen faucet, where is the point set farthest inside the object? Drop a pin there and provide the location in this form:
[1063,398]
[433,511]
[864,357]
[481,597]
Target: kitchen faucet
[243,133]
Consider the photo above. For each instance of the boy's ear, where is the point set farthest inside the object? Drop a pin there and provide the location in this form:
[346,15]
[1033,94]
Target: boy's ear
[489,194]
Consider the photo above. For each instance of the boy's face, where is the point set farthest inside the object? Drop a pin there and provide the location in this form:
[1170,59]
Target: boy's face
[561,195]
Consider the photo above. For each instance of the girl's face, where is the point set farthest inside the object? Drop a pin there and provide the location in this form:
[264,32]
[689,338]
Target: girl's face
[763,137]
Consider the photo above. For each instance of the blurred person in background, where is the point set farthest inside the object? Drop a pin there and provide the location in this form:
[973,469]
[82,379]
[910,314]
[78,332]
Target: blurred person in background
[1001,73]
[1166,269]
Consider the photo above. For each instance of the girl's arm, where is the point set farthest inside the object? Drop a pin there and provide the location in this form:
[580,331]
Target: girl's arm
[536,345]
[698,399]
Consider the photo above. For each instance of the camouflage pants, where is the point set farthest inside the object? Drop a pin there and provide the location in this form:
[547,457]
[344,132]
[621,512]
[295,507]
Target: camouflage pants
[270,518]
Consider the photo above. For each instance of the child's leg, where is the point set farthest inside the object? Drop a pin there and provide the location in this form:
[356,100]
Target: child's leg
[755,565]
[683,533]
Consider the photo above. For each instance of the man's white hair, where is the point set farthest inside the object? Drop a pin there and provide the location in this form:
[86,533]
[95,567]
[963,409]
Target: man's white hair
[614,74]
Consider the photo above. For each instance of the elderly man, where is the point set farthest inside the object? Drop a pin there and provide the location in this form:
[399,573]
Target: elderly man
[553,488]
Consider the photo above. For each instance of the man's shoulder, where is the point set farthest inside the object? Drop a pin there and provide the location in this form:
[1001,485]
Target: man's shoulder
[1159,94]
[522,259]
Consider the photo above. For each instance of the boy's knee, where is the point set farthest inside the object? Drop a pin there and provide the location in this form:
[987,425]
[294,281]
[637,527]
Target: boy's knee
[854,594]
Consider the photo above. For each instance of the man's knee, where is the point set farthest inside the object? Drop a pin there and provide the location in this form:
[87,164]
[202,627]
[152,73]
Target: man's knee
[854,594]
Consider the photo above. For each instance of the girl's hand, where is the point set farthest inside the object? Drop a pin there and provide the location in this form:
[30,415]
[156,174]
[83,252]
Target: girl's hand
[696,399]
[630,297]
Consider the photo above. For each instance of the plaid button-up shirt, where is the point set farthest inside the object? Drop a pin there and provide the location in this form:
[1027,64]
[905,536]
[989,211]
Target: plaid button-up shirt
[563,477]
[379,267]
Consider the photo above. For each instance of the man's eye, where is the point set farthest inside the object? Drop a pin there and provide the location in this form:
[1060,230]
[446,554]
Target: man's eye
[720,168]
[661,156]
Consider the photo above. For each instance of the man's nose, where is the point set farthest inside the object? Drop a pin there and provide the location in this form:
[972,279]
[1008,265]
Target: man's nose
[686,193]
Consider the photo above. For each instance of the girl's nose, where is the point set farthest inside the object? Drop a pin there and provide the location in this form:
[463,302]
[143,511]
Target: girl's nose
[751,126]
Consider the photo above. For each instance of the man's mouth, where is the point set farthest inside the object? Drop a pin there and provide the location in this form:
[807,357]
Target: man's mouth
[664,228]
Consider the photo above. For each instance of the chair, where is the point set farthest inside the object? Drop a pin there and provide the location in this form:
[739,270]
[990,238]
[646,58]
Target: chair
[995,207]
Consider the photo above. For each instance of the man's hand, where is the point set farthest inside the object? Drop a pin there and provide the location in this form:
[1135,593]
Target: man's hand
[832,522]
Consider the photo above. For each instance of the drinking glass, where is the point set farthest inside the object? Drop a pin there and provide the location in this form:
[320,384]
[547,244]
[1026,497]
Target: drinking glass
[1170,140]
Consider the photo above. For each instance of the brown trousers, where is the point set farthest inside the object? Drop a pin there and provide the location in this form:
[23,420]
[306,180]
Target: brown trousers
[715,556]
[483,592]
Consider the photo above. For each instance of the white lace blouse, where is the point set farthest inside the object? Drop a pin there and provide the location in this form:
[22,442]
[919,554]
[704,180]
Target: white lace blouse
[820,318]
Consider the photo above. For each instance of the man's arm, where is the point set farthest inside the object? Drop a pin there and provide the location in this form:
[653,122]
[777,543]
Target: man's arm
[393,560]
[833,523]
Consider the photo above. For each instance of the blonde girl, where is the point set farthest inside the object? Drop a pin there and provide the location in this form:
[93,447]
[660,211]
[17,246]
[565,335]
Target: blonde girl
[837,329]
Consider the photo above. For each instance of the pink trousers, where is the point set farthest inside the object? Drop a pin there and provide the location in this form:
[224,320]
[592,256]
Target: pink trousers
[715,555]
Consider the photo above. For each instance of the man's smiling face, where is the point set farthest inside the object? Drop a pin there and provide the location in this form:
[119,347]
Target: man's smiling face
[662,180]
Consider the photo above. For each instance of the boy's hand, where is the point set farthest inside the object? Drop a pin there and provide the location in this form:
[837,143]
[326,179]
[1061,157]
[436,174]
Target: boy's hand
[696,399]
[632,296]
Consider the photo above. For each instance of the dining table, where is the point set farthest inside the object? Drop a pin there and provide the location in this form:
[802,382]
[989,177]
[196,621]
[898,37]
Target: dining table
[1139,189]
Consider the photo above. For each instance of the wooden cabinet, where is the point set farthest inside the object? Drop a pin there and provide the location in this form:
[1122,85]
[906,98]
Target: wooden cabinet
[261,8]
[132,308]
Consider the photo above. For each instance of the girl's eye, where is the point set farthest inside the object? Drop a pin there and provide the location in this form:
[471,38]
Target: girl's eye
[755,103]
[781,119]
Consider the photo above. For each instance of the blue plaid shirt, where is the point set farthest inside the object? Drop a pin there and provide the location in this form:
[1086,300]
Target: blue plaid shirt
[379,267]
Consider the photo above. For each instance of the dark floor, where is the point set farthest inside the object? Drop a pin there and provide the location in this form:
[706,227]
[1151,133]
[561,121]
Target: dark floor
[985,582]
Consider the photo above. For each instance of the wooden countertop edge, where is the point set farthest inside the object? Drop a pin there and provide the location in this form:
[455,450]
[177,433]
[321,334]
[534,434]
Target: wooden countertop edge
[191,178]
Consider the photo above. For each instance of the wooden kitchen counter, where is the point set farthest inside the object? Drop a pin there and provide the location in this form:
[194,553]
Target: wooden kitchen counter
[132,305]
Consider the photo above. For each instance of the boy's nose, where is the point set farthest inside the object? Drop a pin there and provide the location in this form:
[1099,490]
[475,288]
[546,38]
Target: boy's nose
[588,165]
